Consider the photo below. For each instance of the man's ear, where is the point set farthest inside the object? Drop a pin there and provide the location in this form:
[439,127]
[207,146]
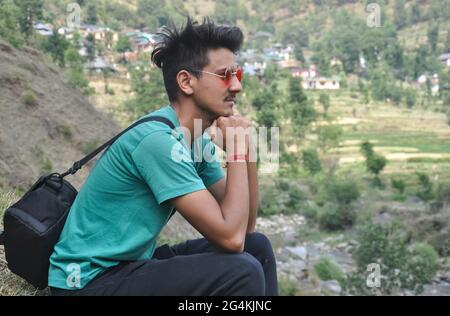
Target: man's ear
[184,80]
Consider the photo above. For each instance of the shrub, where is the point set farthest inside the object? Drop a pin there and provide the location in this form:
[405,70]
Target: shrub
[335,217]
[46,166]
[29,98]
[65,130]
[426,187]
[410,97]
[311,161]
[399,185]
[425,260]
[329,136]
[311,212]
[77,78]
[296,199]
[376,163]
[400,267]
[443,192]
[281,196]
[367,149]
[342,192]
[328,270]
[287,287]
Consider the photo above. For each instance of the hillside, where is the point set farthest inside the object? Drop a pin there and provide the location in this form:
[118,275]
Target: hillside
[45,123]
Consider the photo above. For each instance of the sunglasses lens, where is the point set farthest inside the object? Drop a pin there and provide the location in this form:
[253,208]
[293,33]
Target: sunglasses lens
[239,74]
[229,75]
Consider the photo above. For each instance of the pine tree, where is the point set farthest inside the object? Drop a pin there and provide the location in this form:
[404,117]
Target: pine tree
[30,12]
[9,23]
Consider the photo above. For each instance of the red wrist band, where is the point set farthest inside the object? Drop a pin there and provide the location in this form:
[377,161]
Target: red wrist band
[238,158]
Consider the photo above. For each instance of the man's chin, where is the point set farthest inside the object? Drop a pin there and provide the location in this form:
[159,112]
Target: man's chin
[229,108]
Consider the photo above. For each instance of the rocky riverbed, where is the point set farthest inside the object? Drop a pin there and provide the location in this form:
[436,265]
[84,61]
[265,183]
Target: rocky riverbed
[297,254]
[296,257]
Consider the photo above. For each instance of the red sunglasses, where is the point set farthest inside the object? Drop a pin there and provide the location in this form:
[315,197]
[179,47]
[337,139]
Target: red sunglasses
[227,76]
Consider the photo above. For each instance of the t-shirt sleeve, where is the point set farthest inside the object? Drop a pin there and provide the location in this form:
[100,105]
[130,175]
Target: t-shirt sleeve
[210,170]
[166,166]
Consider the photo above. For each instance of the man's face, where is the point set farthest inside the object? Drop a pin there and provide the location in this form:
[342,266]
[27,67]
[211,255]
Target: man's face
[212,94]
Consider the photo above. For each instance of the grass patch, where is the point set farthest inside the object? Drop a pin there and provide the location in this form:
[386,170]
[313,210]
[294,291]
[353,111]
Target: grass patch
[428,160]
[424,142]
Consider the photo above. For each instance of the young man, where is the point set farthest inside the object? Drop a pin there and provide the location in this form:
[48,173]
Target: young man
[108,243]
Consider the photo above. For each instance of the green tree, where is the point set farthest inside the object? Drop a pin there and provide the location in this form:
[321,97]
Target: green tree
[400,266]
[426,187]
[346,41]
[375,163]
[301,113]
[447,42]
[433,33]
[322,61]
[367,149]
[30,12]
[77,79]
[91,14]
[399,185]
[156,13]
[382,84]
[267,106]
[229,11]
[90,47]
[324,99]
[393,55]
[329,136]
[410,97]
[400,15]
[9,22]
[296,93]
[56,46]
[311,161]
[123,45]
[148,85]
[415,13]
[419,63]
[363,90]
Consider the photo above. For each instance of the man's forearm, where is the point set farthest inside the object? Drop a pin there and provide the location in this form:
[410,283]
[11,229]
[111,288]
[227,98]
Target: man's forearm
[235,204]
[252,172]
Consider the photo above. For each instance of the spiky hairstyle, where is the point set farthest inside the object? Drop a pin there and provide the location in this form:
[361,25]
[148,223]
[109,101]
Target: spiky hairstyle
[188,48]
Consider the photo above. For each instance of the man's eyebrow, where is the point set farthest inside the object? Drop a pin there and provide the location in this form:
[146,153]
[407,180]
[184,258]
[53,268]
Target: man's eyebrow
[221,69]
[225,68]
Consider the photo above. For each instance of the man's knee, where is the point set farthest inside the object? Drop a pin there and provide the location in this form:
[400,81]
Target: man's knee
[248,270]
[258,242]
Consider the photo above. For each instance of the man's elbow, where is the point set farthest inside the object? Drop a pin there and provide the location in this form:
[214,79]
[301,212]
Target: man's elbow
[234,245]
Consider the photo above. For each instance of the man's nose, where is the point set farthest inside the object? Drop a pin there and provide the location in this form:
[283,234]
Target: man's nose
[235,85]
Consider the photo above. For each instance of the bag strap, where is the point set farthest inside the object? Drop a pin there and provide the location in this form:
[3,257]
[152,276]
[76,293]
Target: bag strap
[80,163]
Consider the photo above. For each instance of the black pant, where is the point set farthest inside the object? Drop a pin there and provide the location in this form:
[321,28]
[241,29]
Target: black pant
[194,267]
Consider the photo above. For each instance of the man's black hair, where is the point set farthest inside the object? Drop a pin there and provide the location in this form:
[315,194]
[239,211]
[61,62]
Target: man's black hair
[188,48]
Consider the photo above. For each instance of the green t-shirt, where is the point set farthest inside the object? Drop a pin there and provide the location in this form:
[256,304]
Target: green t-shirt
[123,205]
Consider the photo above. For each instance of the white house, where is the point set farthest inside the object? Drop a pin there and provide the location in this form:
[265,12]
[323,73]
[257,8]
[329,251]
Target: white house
[43,29]
[445,59]
[321,83]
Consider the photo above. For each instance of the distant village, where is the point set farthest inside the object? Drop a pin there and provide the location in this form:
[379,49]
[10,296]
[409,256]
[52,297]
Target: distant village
[253,61]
